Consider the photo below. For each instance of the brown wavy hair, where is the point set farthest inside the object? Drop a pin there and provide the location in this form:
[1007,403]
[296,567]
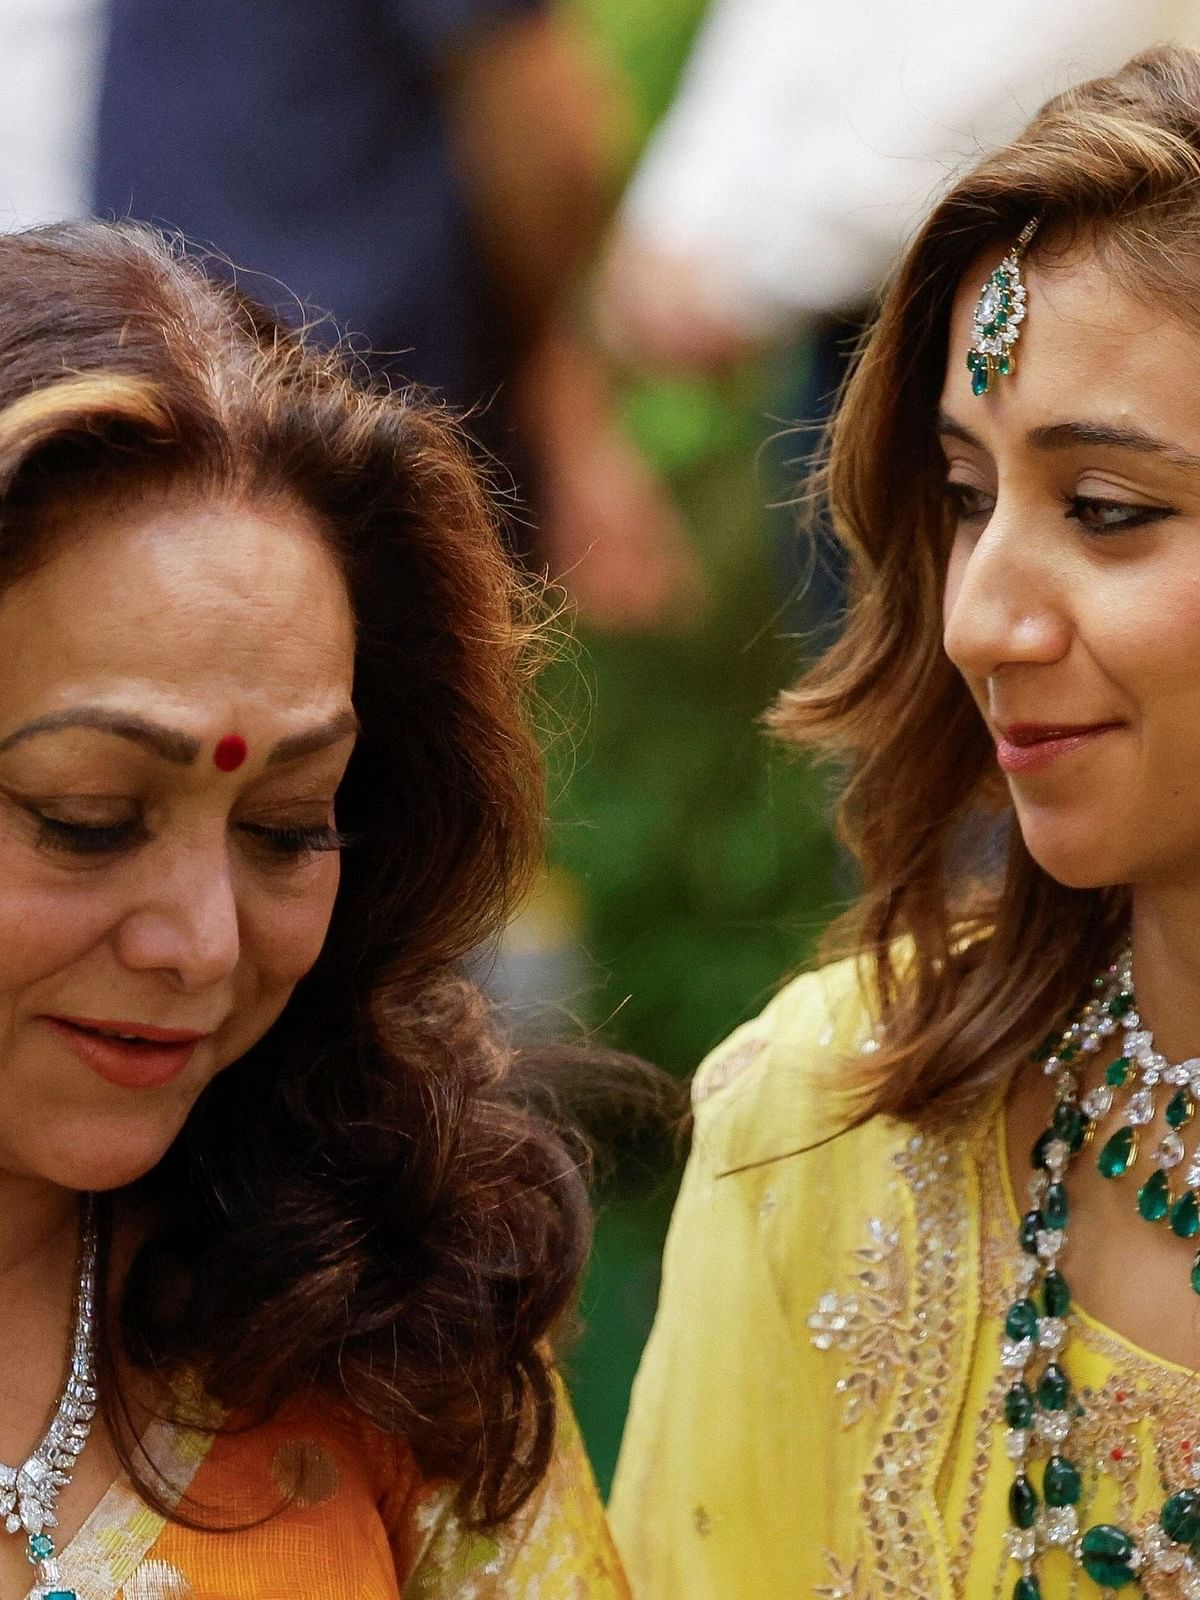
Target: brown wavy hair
[362,1206]
[969,964]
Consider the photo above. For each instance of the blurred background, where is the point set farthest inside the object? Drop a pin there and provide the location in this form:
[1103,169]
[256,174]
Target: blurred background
[633,244]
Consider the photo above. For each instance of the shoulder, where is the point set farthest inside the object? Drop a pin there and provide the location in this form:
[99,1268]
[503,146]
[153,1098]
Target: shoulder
[771,1087]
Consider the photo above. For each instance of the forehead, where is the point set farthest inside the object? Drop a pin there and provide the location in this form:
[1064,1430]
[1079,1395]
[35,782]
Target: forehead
[186,600]
[1088,349]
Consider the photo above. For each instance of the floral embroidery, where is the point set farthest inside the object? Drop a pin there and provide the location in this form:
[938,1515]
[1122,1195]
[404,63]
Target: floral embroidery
[844,1584]
[867,1323]
[904,1545]
[726,1068]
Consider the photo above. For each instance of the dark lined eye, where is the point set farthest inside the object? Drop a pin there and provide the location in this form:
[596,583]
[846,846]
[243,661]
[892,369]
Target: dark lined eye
[1112,516]
[296,841]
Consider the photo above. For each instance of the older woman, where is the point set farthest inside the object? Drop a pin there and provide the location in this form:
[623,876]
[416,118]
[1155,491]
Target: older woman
[279,1256]
[930,1318]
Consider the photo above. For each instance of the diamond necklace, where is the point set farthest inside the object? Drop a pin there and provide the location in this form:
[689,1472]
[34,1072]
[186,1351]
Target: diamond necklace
[1039,1403]
[28,1493]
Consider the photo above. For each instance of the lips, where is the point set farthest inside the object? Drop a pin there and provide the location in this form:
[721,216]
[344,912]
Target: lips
[1024,747]
[132,1055]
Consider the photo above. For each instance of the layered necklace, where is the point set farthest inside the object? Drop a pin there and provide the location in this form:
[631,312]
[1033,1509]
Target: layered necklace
[1039,1404]
[28,1493]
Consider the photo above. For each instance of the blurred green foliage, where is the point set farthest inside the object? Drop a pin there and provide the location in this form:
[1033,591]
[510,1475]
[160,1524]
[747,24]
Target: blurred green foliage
[702,850]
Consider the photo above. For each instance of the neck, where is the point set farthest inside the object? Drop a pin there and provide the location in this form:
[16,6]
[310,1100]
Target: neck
[38,1223]
[1166,968]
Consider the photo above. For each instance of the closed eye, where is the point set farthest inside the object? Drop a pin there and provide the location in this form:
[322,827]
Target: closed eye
[291,842]
[87,838]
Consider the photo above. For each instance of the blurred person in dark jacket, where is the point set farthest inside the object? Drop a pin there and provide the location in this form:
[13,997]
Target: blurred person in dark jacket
[433,174]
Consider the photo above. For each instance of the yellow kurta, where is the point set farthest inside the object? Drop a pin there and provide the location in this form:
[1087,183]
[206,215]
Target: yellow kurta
[363,1525]
[816,1412]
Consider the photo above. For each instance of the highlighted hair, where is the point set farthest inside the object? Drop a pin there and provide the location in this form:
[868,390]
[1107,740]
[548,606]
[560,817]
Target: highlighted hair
[970,963]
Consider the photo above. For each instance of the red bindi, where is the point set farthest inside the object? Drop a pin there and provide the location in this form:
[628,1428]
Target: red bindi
[231,751]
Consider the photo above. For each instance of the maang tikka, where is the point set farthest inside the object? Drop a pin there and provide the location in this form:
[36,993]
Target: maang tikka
[999,313]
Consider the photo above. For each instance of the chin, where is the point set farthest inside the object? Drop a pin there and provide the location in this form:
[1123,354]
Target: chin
[1077,858]
[100,1154]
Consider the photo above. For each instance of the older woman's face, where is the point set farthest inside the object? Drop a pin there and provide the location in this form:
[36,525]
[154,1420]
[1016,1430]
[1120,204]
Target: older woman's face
[175,717]
[1072,603]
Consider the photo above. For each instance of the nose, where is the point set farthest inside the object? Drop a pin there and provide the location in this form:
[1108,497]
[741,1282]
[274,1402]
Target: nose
[185,924]
[1005,601]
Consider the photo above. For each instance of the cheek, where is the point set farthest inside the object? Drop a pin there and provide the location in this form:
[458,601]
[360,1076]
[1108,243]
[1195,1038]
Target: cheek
[46,926]
[284,933]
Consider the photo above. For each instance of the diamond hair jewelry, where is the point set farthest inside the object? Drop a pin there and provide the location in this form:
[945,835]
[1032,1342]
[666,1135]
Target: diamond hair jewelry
[28,1493]
[1039,1404]
[999,313]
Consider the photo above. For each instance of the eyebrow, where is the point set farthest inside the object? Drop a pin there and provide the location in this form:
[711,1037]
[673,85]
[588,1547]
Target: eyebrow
[308,743]
[179,748]
[1065,435]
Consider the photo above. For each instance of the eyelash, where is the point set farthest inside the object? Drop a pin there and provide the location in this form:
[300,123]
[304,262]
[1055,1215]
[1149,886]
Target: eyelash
[1078,509]
[90,839]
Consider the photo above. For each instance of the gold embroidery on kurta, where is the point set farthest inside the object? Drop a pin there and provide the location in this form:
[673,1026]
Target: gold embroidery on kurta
[866,1324]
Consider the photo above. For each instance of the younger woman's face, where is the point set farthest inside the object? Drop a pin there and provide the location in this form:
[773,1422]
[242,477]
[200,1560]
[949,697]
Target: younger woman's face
[1072,601]
[175,718]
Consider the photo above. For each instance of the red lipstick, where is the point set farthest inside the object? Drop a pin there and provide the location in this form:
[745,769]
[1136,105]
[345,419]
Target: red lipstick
[1026,747]
[132,1055]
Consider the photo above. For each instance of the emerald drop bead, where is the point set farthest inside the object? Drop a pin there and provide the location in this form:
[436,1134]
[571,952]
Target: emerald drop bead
[1179,1109]
[1062,1483]
[1004,366]
[1018,1406]
[1154,1197]
[1107,1553]
[1185,1215]
[1055,1208]
[1118,1153]
[1117,1072]
[1022,1320]
[980,379]
[1054,1389]
[1022,1503]
[1056,1296]
[1180,1516]
[1070,1124]
[1027,1589]
[1031,1224]
[1120,1005]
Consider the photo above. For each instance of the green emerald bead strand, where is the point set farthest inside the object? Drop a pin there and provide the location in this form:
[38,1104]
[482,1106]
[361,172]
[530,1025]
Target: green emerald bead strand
[1154,1197]
[1108,1555]
[1184,1215]
[1056,1296]
[1117,1073]
[1119,1154]
[1022,1320]
[1022,1503]
[1062,1484]
[1180,1109]
[1039,1404]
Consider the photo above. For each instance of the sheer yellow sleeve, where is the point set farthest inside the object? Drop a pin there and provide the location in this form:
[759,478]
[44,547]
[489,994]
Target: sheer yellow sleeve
[557,1548]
